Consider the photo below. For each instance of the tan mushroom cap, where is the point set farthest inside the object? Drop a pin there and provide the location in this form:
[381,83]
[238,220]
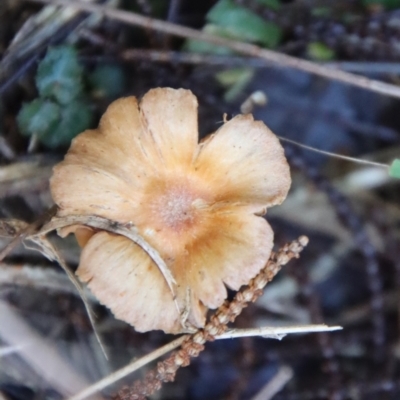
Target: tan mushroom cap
[198,205]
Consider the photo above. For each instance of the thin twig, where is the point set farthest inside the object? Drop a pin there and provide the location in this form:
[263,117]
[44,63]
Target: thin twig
[335,155]
[240,47]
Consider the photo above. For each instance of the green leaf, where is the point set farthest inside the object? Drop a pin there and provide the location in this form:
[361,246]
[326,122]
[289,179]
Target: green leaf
[241,23]
[38,117]
[320,51]
[59,75]
[75,118]
[394,169]
[108,81]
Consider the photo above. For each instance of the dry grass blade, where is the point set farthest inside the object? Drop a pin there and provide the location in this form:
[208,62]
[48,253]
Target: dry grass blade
[239,47]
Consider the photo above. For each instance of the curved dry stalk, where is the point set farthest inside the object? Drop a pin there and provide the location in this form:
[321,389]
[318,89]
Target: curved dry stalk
[127,230]
[239,47]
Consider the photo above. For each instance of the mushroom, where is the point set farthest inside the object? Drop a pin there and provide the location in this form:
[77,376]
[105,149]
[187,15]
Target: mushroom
[200,205]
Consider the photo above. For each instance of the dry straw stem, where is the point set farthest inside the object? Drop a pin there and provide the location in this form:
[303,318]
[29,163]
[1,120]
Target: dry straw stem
[239,47]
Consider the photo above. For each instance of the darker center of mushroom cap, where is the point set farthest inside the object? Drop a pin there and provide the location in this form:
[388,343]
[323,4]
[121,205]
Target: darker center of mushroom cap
[177,208]
[174,205]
